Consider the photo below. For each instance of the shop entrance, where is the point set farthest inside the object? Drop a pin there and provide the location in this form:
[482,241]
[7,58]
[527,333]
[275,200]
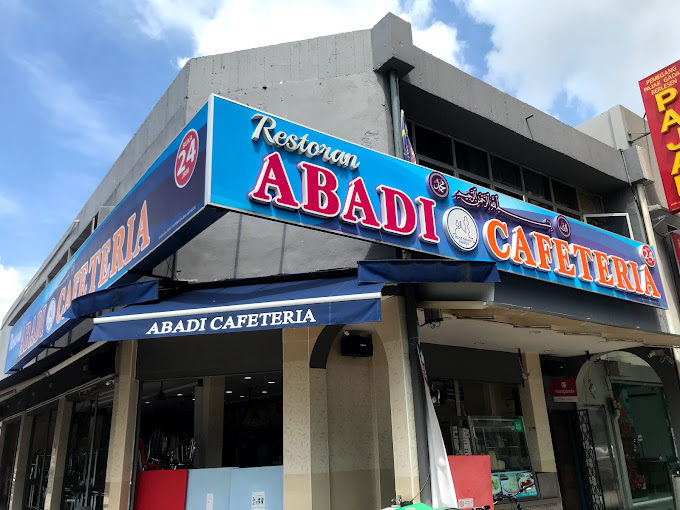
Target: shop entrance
[88,448]
[627,394]
[7,458]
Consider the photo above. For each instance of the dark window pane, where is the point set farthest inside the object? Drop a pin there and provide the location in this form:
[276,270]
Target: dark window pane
[433,145]
[540,204]
[435,167]
[510,193]
[536,184]
[505,172]
[565,195]
[471,160]
[616,224]
[474,181]
[569,214]
[590,204]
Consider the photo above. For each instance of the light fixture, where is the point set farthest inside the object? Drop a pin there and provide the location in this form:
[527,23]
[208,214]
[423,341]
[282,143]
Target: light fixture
[271,382]
[193,399]
[228,391]
[180,395]
[247,378]
[264,391]
[242,396]
[147,402]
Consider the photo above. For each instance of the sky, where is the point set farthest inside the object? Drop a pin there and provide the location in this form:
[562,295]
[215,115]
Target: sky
[77,78]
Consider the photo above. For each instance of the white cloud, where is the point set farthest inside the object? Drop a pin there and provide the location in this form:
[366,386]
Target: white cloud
[222,26]
[78,116]
[12,283]
[591,52]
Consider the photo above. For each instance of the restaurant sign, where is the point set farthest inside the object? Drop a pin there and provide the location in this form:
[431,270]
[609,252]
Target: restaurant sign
[231,157]
[147,224]
[266,166]
[660,97]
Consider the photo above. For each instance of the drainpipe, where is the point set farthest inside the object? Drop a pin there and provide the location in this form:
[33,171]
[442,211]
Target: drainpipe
[396,114]
[417,383]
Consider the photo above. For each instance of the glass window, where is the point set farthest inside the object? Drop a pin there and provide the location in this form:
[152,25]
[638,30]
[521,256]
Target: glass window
[569,214]
[590,204]
[565,195]
[537,185]
[474,180]
[434,166]
[616,223]
[513,194]
[472,160]
[433,145]
[505,172]
[538,203]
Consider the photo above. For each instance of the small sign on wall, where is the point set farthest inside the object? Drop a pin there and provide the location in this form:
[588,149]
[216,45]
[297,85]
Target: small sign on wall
[258,501]
[563,389]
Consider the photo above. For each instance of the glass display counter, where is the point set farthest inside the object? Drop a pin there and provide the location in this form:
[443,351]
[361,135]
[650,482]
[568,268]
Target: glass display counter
[504,441]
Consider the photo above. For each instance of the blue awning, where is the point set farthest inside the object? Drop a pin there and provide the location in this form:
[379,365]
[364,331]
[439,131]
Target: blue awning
[277,305]
[114,297]
[427,271]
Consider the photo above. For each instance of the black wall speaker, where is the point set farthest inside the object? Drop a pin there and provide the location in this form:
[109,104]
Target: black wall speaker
[356,346]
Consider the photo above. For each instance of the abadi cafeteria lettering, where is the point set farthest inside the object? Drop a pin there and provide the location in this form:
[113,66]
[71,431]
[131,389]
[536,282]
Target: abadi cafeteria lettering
[236,321]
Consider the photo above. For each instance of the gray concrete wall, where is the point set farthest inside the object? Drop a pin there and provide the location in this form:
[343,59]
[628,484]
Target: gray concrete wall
[434,76]
[327,84]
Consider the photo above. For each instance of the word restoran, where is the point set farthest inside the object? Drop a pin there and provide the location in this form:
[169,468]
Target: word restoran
[118,251]
[293,143]
[248,320]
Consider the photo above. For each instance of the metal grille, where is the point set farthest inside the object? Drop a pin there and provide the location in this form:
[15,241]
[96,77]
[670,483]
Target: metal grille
[588,463]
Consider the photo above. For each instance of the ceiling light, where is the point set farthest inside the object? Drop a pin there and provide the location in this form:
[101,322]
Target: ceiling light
[264,391]
[180,395]
[147,402]
[247,378]
[271,382]
[228,391]
[193,399]
[242,396]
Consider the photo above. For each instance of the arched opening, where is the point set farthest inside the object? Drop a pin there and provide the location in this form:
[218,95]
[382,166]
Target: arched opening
[621,396]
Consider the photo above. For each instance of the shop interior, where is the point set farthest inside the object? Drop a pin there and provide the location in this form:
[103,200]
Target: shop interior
[252,426]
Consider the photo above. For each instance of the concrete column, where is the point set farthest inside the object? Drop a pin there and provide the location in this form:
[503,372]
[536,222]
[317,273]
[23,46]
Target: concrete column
[123,439]
[535,414]
[55,480]
[306,482]
[209,422]
[21,463]
[392,333]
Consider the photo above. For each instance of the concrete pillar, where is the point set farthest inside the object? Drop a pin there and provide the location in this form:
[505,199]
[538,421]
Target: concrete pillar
[306,482]
[21,463]
[392,333]
[123,439]
[209,422]
[55,480]
[535,414]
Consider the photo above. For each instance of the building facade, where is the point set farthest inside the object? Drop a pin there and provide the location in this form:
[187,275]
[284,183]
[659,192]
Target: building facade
[561,372]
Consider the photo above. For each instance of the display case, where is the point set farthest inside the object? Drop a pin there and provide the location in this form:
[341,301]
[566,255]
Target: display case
[503,440]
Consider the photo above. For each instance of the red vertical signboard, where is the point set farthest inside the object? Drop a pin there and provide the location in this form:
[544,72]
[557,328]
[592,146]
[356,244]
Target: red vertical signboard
[660,96]
[675,237]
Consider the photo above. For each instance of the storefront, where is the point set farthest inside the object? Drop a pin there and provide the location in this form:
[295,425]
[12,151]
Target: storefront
[245,325]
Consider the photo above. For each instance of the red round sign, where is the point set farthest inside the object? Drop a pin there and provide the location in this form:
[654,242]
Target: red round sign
[647,255]
[187,154]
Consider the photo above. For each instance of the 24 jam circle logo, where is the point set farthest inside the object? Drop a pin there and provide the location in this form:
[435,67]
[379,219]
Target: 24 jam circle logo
[187,154]
[647,254]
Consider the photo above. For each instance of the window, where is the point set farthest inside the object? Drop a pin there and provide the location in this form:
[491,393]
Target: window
[433,145]
[565,194]
[505,172]
[472,160]
[537,185]
[618,223]
[433,150]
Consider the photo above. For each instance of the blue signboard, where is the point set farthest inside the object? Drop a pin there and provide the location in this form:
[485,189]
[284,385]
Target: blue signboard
[269,167]
[232,157]
[165,199]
